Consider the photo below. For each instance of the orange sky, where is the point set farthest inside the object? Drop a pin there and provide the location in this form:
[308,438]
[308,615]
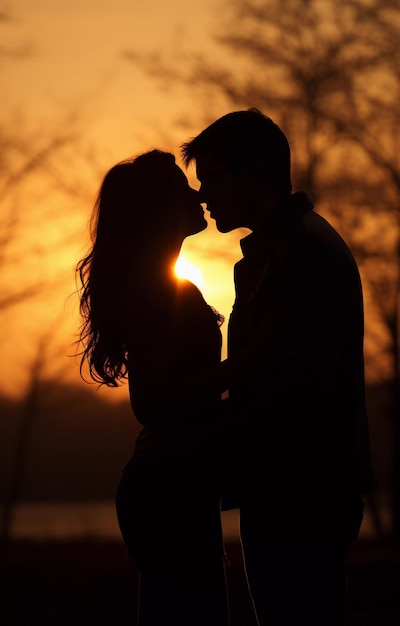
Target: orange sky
[75,64]
[76,58]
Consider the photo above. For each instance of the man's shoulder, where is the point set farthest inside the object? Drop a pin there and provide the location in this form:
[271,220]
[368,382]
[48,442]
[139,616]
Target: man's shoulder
[321,236]
[316,223]
[324,259]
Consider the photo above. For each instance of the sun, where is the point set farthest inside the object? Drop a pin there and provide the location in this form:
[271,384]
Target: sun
[185,269]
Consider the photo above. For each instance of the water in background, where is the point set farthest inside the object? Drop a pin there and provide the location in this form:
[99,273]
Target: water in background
[81,520]
[97,520]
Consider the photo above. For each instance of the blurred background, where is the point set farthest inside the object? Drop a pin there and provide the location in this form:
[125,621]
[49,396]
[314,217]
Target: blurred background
[86,83]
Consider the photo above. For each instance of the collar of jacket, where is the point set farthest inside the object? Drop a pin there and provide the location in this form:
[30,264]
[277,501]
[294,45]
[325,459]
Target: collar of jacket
[286,216]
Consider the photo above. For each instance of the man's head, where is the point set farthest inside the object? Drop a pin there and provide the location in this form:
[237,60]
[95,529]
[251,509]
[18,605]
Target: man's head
[243,165]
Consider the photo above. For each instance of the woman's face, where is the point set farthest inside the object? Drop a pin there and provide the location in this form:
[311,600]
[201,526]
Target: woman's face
[186,205]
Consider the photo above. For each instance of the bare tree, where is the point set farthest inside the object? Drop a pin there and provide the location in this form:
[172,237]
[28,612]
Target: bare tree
[41,170]
[25,155]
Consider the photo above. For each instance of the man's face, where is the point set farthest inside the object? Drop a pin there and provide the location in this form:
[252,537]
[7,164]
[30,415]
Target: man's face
[221,191]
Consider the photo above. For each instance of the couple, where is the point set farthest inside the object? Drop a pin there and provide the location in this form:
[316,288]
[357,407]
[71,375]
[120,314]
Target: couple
[290,445]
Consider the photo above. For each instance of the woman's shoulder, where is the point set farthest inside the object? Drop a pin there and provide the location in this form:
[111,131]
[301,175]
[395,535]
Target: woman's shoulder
[192,304]
[191,295]
[187,294]
[187,287]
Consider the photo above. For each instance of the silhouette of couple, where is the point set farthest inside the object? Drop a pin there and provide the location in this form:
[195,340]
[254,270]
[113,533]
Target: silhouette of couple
[289,447]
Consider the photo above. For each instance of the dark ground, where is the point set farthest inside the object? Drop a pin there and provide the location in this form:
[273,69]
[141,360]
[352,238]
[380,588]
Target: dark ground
[90,583]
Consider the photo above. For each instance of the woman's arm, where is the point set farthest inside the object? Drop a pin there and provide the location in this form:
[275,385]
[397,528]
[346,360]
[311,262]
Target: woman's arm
[154,391]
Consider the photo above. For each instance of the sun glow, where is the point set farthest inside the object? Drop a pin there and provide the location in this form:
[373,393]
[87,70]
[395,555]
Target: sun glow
[185,269]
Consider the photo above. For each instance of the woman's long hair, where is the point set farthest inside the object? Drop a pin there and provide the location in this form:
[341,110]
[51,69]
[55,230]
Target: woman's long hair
[123,214]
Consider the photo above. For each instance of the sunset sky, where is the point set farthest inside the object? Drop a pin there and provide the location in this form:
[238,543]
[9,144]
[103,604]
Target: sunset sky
[75,65]
[75,69]
[76,58]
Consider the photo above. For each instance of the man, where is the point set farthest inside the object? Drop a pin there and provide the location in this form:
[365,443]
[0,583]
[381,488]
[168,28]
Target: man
[297,456]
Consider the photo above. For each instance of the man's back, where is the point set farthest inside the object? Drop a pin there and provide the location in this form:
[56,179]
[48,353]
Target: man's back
[307,425]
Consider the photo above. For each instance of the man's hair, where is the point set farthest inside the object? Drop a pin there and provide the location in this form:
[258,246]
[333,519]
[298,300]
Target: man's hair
[241,139]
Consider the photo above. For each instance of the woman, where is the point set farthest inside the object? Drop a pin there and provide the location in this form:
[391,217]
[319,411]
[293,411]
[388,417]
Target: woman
[141,323]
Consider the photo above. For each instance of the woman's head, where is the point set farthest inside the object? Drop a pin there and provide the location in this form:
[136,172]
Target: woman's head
[149,198]
[144,210]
